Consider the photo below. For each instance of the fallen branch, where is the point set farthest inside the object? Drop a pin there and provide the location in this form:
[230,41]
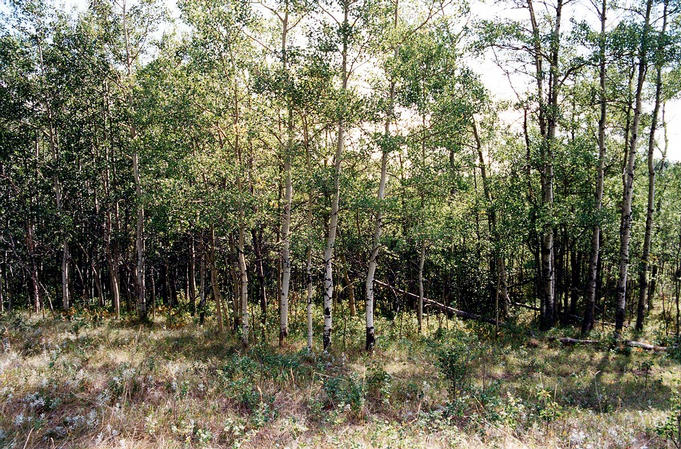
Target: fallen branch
[526,306]
[574,341]
[646,346]
[574,317]
[630,343]
[475,316]
[460,313]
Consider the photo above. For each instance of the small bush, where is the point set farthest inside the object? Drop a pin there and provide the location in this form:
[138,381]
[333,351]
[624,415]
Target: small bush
[670,428]
[344,391]
[378,384]
[547,408]
[454,362]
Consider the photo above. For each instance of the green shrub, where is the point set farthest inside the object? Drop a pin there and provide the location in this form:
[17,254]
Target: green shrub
[345,391]
[378,383]
[454,362]
[547,408]
[670,428]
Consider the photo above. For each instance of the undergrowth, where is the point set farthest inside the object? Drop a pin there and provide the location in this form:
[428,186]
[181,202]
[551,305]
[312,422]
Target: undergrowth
[88,381]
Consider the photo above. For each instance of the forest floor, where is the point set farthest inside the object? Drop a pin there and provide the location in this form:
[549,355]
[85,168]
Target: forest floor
[93,382]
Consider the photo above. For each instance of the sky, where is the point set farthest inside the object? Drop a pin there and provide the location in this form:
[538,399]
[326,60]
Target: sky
[501,87]
[498,83]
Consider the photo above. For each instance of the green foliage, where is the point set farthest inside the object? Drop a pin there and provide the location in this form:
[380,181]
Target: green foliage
[345,391]
[670,428]
[378,384]
[547,408]
[502,409]
[454,360]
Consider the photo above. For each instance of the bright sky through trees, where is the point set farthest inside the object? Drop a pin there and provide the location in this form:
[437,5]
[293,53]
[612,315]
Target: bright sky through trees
[495,79]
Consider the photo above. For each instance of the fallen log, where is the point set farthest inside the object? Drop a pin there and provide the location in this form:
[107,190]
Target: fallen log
[526,306]
[646,346]
[460,313]
[574,317]
[474,316]
[630,343]
[574,341]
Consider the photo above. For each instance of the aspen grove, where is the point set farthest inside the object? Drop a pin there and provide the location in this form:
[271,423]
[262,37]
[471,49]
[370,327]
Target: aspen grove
[278,192]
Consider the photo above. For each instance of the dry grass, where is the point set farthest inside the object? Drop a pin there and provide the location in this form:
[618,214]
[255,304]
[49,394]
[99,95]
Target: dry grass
[104,384]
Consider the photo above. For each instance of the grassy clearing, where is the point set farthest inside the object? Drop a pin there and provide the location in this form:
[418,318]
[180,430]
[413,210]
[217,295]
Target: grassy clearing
[83,383]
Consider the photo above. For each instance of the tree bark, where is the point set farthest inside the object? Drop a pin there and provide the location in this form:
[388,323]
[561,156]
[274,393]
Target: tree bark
[192,276]
[349,286]
[308,264]
[33,265]
[588,322]
[202,280]
[241,256]
[260,273]
[288,195]
[215,283]
[139,241]
[548,121]
[650,210]
[333,219]
[378,224]
[499,290]
[422,260]
[628,179]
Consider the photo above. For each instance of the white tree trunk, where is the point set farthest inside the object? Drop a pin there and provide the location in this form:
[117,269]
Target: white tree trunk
[244,287]
[371,272]
[331,241]
[628,175]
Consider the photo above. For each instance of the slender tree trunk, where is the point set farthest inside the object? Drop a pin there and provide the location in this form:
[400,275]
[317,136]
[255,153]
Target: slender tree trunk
[677,283]
[352,307]
[653,285]
[310,293]
[214,281]
[33,265]
[575,280]
[65,275]
[331,241]
[260,273]
[288,195]
[500,288]
[548,120]
[236,284]
[243,290]
[645,253]
[376,242]
[548,253]
[167,295]
[285,256]
[191,274]
[112,261]
[422,260]
[653,280]
[2,289]
[625,226]
[202,280]
[241,256]
[378,224]
[66,252]
[153,292]
[310,223]
[139,242]
[333,219]
[588,322]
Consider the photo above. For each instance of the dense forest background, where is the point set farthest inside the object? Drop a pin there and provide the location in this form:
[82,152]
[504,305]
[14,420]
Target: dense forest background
[255,163]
